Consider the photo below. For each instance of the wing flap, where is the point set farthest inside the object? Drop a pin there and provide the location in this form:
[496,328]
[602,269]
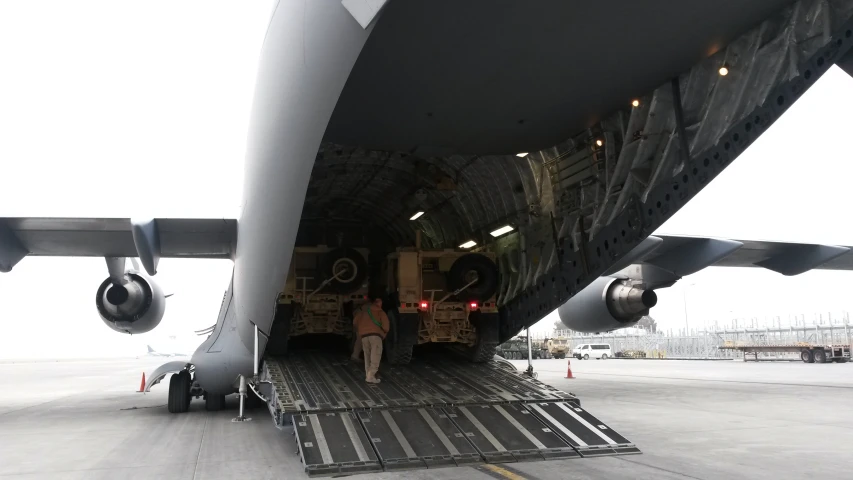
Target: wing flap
[783,257]
[113,237]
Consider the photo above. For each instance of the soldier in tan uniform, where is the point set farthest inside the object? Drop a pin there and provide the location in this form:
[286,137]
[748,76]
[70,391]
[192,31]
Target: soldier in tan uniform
[371,325]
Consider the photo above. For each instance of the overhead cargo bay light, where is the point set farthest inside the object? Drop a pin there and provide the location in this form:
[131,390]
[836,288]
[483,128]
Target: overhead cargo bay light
[416,216]
[599,142]
[635,103]
[521,154]
[502,230]
[468,244]
[724,70]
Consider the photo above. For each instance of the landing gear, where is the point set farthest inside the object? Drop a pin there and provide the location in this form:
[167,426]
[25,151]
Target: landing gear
[214,402]
[179,392]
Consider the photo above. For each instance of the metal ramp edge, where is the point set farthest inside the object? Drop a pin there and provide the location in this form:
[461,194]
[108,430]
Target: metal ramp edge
[364,441]
[428,415]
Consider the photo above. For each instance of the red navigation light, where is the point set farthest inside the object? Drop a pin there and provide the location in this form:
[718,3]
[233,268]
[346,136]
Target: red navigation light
[474,305]
[424,305]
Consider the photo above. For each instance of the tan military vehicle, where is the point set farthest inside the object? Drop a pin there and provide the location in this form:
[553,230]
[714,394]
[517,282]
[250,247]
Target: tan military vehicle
[558,347]
[323,287]
[441,296]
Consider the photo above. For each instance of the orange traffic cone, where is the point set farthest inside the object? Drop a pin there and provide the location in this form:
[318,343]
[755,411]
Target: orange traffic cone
[142,384]
[569,371]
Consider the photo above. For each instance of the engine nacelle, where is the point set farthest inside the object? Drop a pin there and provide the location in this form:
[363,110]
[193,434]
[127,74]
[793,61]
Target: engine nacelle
[606,304]
[136,306]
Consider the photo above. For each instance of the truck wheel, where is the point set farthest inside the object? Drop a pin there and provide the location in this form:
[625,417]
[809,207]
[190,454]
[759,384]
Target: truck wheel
[487,336]
[179,392]
[819,356]
[806,356]
[352,267]
[402,337]
[280,330]
[474,266]
[214,403]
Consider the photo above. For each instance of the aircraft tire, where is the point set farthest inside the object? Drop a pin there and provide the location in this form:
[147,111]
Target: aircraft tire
[214,403]
[179,392]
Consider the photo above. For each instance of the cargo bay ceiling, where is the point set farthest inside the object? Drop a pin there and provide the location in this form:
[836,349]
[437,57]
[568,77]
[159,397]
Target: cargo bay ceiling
[623,121]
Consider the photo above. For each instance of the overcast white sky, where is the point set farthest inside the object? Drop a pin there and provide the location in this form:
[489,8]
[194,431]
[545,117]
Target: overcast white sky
[118,109]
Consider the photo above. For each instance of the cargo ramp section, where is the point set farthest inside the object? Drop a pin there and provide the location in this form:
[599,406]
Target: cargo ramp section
[435,412]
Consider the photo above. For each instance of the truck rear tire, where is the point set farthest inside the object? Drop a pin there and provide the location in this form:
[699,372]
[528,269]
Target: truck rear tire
[819,355]
[487,337]
[280,330]
[179,392]
[402,337]
[806,356]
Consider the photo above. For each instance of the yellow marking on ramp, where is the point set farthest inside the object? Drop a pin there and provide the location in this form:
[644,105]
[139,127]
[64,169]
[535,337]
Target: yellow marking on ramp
[503,472]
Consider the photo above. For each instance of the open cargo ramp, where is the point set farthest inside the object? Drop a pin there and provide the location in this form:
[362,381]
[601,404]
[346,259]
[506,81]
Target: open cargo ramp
[436,412]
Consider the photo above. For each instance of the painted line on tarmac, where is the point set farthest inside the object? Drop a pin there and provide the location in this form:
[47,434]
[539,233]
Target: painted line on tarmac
[849,387]
[503,472]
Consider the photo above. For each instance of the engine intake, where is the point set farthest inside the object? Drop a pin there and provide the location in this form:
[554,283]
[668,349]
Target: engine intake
[607,304]
[136,306]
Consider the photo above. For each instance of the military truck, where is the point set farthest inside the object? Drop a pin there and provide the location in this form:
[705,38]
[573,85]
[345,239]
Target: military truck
[558,347]
[323,288]
[441,296]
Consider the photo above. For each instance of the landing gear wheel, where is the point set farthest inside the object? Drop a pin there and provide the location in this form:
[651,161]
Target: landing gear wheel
[402,337]
[350,267]
[819,356]
[179,392]
[470,267]
[806,356]
[214,402]
[486,325]
[586,357]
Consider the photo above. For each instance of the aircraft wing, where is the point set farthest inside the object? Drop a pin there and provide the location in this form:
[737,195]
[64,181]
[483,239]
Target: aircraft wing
[688,254]
[148,239]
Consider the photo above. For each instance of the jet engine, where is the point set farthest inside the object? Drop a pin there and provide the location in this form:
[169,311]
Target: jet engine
[607,304]
[133,304]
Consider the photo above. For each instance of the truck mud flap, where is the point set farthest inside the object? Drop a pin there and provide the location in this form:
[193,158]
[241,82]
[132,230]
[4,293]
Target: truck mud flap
[431,414]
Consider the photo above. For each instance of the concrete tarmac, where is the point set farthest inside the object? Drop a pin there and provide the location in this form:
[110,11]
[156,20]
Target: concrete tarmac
[698,420]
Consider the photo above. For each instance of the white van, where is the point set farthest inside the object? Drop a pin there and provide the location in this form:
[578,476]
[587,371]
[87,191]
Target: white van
[592,350]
